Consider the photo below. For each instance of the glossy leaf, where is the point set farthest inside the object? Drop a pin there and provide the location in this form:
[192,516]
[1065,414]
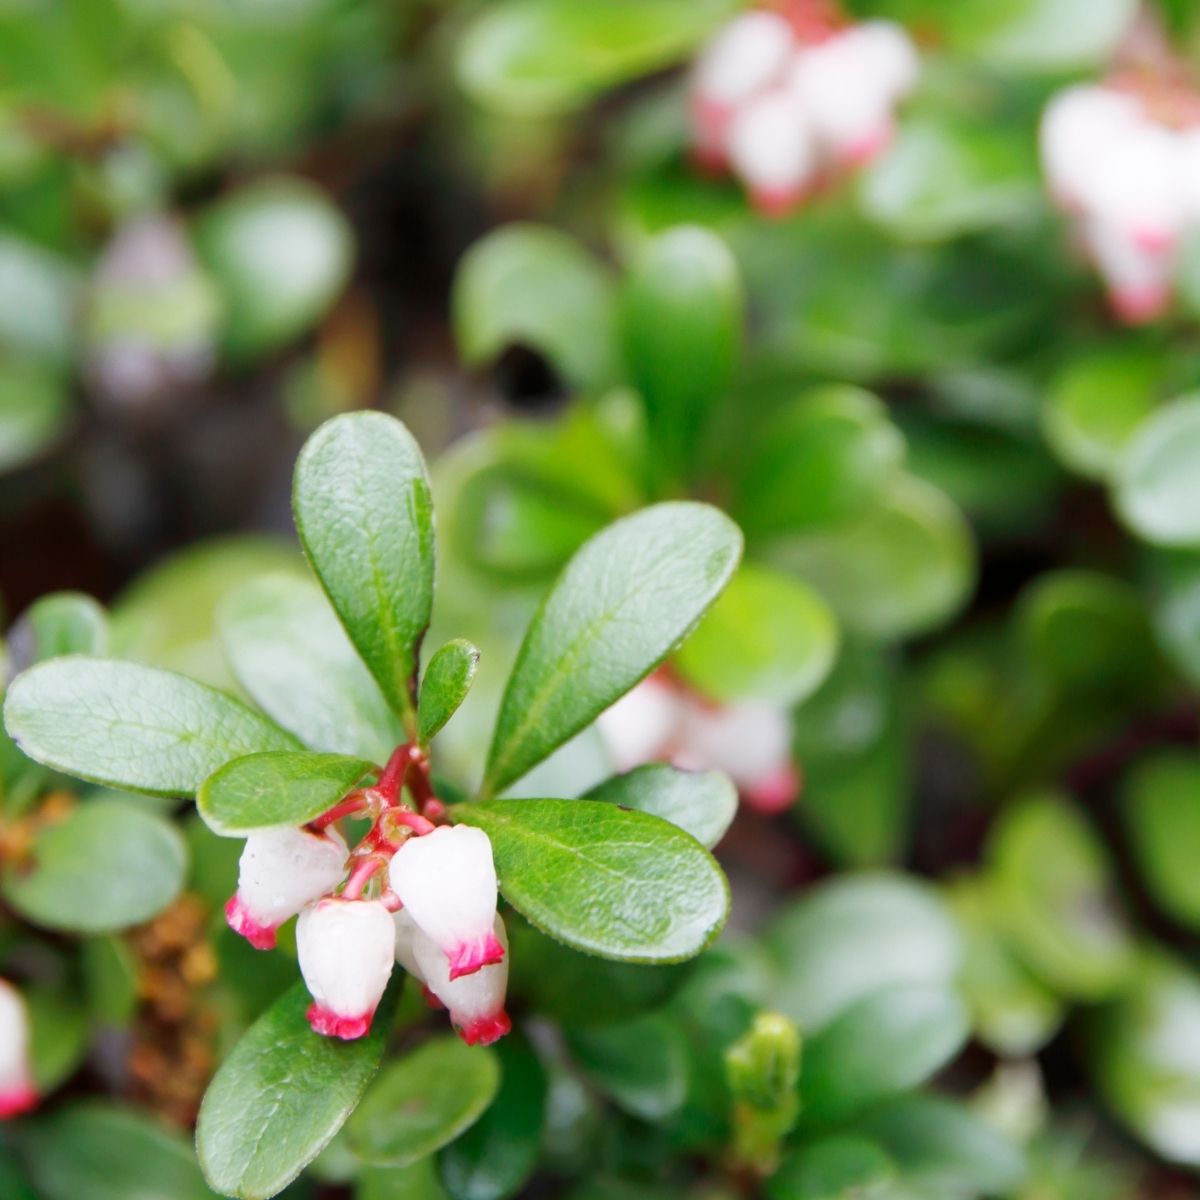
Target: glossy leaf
[885,1043]
[279,252]
[276,788]
[292,656]
[767,637]
[108,1152]
[132,727]
[365,516]
[900,567]
[681,320]
[1157,493]
[1163,818]
[495,1157]
[622,603]
[855,935]
[614,883]
[539,57]
[703,803]
[107,866]
[835,1168]
[1056,891]
[445,685]
[423,1101]
[533,286]
[281,1095]
[641,1063]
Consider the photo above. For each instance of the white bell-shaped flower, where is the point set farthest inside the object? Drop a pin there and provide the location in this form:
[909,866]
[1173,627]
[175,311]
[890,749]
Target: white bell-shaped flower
[848,106]
[1076,129]
[888,56]
[1138,279]
[17,1092]
[281,870]
[772,151]
[475,1002]
[1189,173]
[447,881]
[751,741]
[406,933]
[643,725]
[1136,187]
[346,950]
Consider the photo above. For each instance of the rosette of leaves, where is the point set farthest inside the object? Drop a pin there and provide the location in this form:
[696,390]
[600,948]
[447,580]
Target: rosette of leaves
[332,673]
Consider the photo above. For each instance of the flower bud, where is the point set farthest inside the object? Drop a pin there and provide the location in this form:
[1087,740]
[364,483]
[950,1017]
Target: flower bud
[281,870]
[447,881]
[17,1093]
[475,1002]
[772,151]
[751,742]
[346,950]
[643,725]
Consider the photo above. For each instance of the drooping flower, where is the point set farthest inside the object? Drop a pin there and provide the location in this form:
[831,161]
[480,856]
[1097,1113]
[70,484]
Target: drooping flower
[475,1002]
[446,881]
[281,870]
[17,1091]
[346,950]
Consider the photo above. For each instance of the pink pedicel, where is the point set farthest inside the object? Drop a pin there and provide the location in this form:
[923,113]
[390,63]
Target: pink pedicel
[260,936]
[18,1100]
[775,794]
[469,957]
[1136,306]
[330,1024]
[486,1030]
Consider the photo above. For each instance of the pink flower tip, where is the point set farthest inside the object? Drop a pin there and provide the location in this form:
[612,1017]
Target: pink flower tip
[17,1100]
[330,1024]
[867,148]
[777,203]
[1136,306]
[774,794]
[260,936]
[485,1030]
[1152,239]
[469,957]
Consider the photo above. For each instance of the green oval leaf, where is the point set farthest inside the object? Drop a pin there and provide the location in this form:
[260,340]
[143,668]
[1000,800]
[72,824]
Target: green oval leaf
[280,252]
[856,934]
[1158,476]
[614,883]
[130,726]
[540,57]
[62,623]
[423,1101]
[642,1064]
[533,286]
[703,803]
[365,516]
[106,1152]
[835,1168]
[883,1044]
[280,787]
[281,1095]
[622,603]
[767,637]
[292,656]
[681,318]
[445,685]
[495,1157]
[109,865]
[1056,890]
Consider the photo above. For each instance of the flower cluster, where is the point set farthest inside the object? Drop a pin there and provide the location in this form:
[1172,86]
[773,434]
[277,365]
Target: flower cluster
[788,97]
[661,720]
[412,892]
[17,1092]
[1126,168]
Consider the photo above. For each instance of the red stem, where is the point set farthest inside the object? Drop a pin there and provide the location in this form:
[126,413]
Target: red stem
[363,871]
[355,802]
[392,777]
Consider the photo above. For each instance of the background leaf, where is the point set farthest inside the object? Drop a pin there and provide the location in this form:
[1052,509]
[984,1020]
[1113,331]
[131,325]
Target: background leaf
[703,803]
[131,726]
[626,598]
[617,884]
[365,516]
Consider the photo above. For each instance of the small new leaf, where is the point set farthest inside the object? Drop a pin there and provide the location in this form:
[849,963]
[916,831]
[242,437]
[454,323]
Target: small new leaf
[448,679]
